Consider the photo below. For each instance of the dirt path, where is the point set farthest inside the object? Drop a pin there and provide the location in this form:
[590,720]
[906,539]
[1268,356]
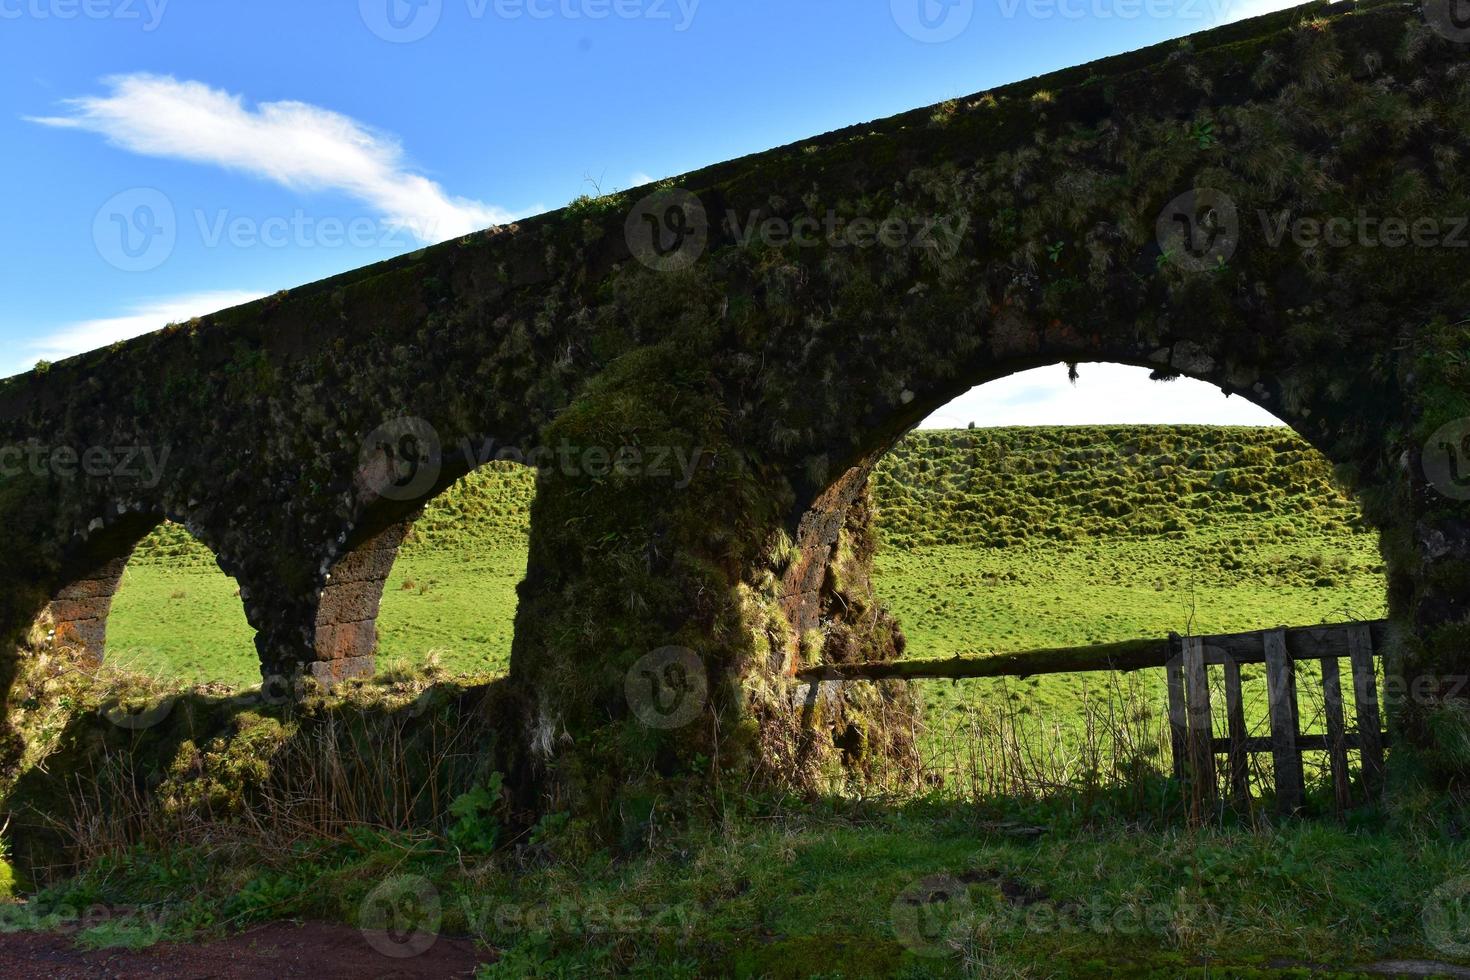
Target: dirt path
[331,952]
[281,949]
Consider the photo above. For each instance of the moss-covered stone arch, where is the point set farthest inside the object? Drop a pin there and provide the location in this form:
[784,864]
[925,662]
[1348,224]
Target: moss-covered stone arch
[76,619]
[347,613]
[809,362]
[785,366]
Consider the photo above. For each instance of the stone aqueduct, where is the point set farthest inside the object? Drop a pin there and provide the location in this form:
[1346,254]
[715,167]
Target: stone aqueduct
[787,368]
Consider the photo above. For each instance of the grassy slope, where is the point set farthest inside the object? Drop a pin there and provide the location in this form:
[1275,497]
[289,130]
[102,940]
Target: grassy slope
[451,592]
[821,891]
[994,541]
[1013,539]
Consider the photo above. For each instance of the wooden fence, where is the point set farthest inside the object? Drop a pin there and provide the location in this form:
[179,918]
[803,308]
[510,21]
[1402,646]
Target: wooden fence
[1192,719]
[1187,662]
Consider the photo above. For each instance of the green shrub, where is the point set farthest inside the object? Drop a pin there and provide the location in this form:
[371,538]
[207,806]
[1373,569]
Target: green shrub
[477,827]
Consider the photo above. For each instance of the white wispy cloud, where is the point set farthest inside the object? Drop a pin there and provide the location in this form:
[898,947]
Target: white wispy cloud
[297,145]
[143,317]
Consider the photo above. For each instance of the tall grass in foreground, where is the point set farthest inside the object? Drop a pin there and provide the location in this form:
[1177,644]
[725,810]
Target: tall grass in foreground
[1114,741]
[383,764]
[1107,756]
[387,761]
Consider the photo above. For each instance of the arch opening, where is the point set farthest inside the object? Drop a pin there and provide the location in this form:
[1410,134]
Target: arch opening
[158,605]
[445,579]
[1096,516]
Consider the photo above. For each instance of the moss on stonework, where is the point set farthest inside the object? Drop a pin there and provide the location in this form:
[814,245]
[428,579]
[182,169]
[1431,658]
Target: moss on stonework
[788,368]
[160,763]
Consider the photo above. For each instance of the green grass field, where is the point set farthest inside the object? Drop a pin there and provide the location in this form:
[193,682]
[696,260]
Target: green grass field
[865,893]
[993,541]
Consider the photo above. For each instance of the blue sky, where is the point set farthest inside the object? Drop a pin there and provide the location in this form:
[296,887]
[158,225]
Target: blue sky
[167,158]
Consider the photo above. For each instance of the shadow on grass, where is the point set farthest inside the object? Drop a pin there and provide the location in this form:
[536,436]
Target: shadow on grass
[198,814]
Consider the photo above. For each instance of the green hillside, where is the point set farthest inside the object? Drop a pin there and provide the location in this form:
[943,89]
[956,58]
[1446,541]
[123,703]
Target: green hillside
[993,541]
[1001,487]
[1006,539]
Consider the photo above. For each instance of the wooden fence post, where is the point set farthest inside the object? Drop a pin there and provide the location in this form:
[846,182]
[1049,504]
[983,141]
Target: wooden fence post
[1240,789]
[1287,755]
[1336,733]
[1174,673]
[1199,722]
[1365,691]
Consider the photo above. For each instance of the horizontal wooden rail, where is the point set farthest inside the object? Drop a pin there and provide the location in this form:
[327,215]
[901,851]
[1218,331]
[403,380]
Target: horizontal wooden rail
[1186,662]
[1129,655]
[1303,643]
